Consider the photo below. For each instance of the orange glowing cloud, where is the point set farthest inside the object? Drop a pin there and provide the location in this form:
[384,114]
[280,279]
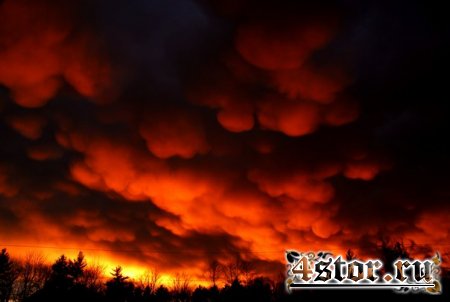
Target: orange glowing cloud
[235,106]
[236,119]
[200,199]
[434,225]
[37,54]
[325,228]
[29,126]
[275,84]
[203,199]
[362,170]
[299,186]
[177,134]
[310,83]
[44,152]
[88,70]
[292,118]
[282,44]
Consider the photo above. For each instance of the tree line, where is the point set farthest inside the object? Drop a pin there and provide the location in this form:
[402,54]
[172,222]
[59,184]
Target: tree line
[32,279]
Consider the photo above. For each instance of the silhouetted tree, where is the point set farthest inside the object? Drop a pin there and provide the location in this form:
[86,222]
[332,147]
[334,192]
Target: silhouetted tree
[214,293]
[118,289]
[181,287]
[162,294]
[148,281]
[201,294]
[279,287]
[238,270]
[350,255]
[93,277]
[8,275]
[214,269]
[33,274]
[259,289]
[60,278]
[235,292]
[67,282]
[246,271]
[232,271]
[392,252]
[77,267]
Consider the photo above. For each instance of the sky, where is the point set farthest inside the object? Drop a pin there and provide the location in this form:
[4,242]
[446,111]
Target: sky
[166,134]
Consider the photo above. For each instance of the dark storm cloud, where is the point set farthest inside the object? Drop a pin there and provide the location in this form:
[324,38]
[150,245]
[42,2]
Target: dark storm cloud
[158,130]
[150,39]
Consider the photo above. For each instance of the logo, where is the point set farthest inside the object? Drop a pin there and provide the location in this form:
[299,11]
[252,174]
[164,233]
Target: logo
[326,271]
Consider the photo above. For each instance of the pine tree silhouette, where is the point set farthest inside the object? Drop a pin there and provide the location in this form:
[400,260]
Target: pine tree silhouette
[118,289]
[7,276]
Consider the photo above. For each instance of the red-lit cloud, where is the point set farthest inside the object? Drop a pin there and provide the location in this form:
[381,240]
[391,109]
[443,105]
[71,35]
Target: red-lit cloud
[39,54]
[283,43]
[176,134]
[29,126]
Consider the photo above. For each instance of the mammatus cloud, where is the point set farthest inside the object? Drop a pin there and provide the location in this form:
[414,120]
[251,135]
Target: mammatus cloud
[174,134]
[44,47]
[251,132]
